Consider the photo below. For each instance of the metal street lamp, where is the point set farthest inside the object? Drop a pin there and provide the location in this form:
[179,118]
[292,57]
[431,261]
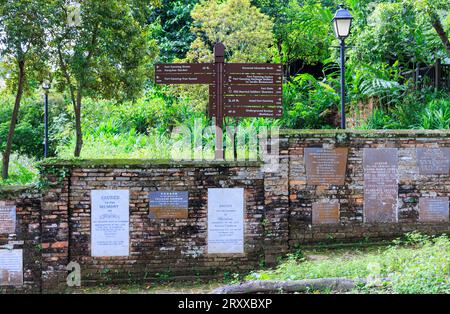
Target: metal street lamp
[46,86]
[342,23]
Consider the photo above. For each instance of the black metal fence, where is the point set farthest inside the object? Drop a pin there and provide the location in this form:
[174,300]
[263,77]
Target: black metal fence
[436,75]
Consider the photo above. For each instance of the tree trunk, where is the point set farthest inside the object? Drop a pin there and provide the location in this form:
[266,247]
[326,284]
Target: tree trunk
[12,126]
[79,134]
[436,22]
[274,286]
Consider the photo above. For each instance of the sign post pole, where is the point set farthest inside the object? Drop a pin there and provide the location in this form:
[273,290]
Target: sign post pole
[219,58]
[235,89]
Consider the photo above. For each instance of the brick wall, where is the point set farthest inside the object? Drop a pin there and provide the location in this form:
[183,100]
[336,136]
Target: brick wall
[278,209]
[350,196]
[158,248]
[27,236]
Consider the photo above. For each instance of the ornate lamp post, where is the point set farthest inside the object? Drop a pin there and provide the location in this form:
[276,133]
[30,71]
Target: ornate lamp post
[342,22]
[46,86]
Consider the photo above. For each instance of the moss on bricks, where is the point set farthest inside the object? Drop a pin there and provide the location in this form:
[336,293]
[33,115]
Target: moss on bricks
[141,163]
[13,191]
[364,133]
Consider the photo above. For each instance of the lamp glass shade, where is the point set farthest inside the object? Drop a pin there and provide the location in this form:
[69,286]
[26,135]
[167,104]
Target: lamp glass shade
[342,27]
[46,84]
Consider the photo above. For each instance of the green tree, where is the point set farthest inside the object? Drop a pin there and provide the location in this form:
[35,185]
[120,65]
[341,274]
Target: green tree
[23,47]
[393,33]
[302,29]
[241,27]
[105,52]
[436,12]
[171,23]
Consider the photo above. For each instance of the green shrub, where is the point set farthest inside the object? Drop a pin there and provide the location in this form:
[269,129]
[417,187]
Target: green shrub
[22,171]
[29,134]
[415,110]
[309,103]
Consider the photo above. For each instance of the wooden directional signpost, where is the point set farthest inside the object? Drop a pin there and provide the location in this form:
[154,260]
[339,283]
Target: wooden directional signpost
[235,89]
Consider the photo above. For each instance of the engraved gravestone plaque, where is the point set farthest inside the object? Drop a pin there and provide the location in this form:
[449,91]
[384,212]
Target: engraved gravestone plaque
[7,218]
[433,160]
[110,222]
[325,213]
[11,267]
[325,166]
[433,209]
[380,185]
[225,220]
[168,205]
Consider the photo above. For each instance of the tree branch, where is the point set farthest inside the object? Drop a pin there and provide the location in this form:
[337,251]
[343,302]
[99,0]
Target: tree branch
[437,25]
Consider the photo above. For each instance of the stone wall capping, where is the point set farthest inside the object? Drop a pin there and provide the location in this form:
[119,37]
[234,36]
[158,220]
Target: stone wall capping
[143,163]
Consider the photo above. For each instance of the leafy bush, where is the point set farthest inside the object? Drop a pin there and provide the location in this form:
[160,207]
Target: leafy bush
[415,110]
[309,103]
[22,171]
[436,115]
[29,134]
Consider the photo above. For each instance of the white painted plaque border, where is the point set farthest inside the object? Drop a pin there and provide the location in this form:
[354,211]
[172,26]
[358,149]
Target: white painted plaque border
[237,249]
[103,250]
[16,254]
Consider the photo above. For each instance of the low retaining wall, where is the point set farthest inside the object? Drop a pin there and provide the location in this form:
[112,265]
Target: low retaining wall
[328,186]
[159,248]
[26,239]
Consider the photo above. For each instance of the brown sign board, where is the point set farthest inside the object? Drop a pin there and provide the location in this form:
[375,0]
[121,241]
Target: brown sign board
[253,89]
[433,160]
[7,218]
[171,204]
[227,79]
[380,185]
[256,112]
[254,79]
[185,68]
[245,101]
[248,89]
[251,109]
[254,68]
[325,213]
[190,78]
[252,100]
[434,209]
[325,166]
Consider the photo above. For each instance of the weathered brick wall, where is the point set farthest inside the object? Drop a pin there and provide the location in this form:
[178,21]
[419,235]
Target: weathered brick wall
[158,247]
[350,196]
[56,228]
[27,236]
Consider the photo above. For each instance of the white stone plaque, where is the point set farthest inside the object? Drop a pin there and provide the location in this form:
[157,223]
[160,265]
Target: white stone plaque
[7,218]
[225,221]
[110,223]
[11,267]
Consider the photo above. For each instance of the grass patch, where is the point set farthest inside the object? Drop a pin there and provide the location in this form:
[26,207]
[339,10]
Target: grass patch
[413,264]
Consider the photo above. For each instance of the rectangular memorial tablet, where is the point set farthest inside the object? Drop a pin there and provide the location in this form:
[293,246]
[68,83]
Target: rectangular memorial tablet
[380,185]
[110,218]
[225,220]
